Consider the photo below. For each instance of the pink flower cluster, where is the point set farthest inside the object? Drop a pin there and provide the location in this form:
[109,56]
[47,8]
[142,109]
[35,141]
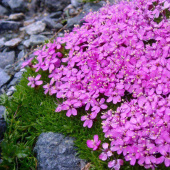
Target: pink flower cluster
[140,130]
[121,49]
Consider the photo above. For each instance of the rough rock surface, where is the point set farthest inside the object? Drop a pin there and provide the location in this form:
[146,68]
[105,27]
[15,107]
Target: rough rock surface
[2,42]
[86,9]
[13,42]
[35,40]
[35,28]
[6,58]
[17,16]
[53,5]
[56,152]
[9,25]
[15,5]
[3,10]
[4,77]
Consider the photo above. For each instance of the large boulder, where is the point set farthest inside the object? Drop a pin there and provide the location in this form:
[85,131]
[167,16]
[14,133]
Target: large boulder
[56,152]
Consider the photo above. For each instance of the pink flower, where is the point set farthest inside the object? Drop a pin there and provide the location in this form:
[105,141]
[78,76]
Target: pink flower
[115,164]
[33,82]
[27,63]
[95,143]
[106,152]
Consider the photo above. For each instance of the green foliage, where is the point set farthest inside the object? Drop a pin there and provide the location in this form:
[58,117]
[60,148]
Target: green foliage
[29,113]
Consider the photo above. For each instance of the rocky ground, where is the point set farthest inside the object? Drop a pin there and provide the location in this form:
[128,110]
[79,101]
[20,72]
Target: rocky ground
[24,24]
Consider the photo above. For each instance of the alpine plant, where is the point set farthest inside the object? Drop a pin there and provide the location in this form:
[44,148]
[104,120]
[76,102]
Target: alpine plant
[121,50]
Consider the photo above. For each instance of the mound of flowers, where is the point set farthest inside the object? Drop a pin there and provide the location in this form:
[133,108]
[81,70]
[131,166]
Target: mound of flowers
[121,55]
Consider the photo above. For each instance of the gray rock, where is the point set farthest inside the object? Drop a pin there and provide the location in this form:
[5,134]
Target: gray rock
[5,3]
[6,58]
[56,152]
[2,110]
[13,43]
[56,5]
[35,28]
[16,17]
[75,20]
[3,10]
[35,40]
[86,9]
[76,3]
[26,43]
[51,23]
[15,80]
[92,7]
[15,5]
[21,55]
[2,42]
[4,77]
[2,128]
[28,22]
[9,25]
[11,91]
[55,14]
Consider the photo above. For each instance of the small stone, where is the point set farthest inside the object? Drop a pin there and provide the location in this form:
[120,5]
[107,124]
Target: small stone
[4,77]
[11,91]
[13,43]
[35,28]
[56,152]
[3,10]
[9,25]
[6,58]
[60,34]
[2,42]
[16,17]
